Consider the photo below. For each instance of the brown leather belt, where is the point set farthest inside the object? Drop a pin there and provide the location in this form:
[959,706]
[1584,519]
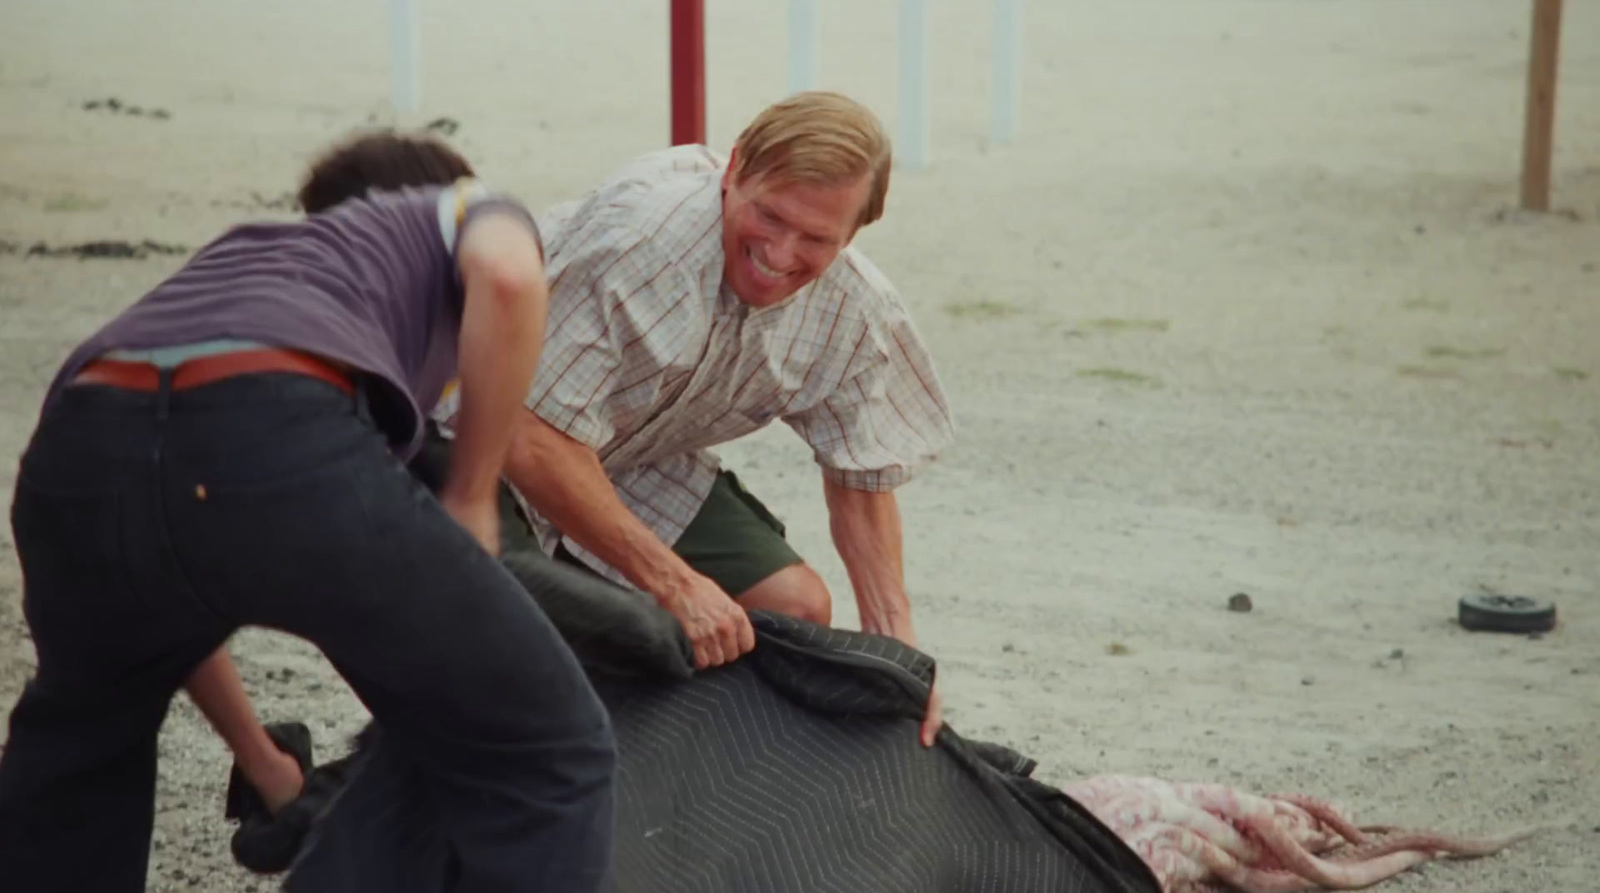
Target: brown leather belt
[137,376]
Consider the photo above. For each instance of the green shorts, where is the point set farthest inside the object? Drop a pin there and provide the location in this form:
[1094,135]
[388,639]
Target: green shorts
[734,539]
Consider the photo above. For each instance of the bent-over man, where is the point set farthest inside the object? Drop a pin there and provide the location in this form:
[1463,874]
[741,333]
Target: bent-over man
[228,452]
[696,300]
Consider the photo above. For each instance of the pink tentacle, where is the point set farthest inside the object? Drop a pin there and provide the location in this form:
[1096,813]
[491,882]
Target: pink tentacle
[1197,836]
[1429,841]
[1239,876]
[1326,813]
[1340,875]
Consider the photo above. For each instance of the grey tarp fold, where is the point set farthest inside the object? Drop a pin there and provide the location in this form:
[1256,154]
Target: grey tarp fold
[797,769]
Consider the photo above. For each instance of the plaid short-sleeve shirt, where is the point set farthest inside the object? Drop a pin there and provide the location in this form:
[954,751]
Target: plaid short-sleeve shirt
[651,361]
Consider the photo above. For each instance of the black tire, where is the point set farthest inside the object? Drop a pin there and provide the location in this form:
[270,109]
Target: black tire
[1506,614]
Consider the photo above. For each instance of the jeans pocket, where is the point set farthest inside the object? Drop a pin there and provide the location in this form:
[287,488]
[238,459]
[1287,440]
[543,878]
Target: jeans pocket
[72,554]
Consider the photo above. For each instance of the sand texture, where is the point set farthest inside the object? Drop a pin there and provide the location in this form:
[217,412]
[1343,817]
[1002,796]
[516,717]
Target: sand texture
[1247,307]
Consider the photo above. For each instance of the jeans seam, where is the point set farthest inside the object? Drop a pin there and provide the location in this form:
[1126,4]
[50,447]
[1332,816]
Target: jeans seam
[190,591]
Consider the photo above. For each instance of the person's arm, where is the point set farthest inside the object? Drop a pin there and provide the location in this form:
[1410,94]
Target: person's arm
[218,692]
[564,481]
[502,332]
[887,419]
[866,531]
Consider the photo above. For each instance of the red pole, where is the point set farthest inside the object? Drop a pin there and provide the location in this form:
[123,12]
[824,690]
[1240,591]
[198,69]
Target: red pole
[688,71]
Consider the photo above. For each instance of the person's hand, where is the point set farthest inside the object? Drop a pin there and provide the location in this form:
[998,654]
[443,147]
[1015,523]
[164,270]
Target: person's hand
[480,517]
[718,629]
[934,718]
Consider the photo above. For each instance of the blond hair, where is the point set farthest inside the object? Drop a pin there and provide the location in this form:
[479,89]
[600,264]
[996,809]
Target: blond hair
[818,137]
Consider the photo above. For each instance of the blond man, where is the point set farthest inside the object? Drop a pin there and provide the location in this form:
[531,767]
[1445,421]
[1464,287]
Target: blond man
[693,301]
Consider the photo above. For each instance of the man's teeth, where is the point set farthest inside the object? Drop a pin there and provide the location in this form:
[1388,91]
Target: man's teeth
[765,270]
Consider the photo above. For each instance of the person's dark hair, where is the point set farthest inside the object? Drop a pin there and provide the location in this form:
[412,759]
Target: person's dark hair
[378,160]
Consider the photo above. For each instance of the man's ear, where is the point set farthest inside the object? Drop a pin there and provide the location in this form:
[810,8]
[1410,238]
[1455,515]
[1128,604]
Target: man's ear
[727,172]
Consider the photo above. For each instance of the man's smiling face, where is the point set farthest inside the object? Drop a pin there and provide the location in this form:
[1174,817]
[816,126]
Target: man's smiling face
[778,237]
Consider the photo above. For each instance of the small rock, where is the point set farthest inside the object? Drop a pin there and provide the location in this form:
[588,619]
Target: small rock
[1008,647]
[446,126]
[1240,603]
[1397,654]
[1117,649]
[1307,680]
[1420,229]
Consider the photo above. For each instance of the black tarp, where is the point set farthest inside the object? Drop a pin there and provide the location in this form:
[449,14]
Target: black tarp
[798,768]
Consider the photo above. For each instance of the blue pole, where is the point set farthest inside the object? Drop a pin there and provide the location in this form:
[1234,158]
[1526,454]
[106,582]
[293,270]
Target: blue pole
[912,150]
[404,37]
[802,45]
[1006,85]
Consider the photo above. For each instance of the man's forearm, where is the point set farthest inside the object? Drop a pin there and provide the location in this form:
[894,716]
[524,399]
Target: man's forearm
[501,338]
[563,480]
[219,694]
[866,531]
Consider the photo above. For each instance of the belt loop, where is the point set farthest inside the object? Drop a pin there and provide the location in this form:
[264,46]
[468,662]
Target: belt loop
[163,392]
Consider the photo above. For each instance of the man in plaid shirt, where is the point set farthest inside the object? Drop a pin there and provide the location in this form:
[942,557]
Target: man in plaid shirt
[692,302]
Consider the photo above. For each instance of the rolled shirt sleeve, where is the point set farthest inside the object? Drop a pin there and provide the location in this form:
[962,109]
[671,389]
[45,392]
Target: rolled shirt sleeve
[887,420]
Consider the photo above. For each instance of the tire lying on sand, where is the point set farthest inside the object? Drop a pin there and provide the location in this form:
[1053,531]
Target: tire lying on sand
[1506,614]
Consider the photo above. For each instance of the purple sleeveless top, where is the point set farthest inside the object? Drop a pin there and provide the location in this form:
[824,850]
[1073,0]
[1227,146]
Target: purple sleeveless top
[371,283]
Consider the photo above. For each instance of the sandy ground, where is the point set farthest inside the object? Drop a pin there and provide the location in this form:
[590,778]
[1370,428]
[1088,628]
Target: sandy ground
[1246,308]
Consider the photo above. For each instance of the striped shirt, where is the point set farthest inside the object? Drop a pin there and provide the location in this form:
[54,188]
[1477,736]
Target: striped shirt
[651,361]
[372,284]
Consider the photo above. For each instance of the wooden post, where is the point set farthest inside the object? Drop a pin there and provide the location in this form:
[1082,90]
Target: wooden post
[688,71]
[1538,136]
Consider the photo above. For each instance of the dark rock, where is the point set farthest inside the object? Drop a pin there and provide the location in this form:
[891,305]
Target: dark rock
[116,106]
[108,249]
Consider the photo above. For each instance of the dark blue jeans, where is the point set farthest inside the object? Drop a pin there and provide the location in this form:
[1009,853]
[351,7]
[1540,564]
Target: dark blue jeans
[150,527]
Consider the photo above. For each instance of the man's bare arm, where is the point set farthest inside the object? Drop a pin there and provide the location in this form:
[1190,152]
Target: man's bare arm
[218,692]
[502,334]
[565,482]
[866,531]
